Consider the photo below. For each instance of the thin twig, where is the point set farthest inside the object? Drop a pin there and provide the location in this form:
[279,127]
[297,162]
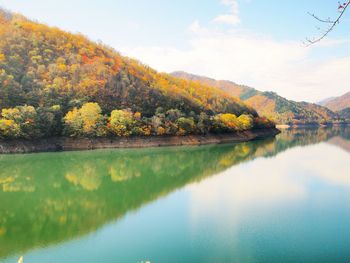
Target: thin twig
[328,20]
[334,24]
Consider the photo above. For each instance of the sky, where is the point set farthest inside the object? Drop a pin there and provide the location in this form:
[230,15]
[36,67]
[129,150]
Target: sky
[258,43]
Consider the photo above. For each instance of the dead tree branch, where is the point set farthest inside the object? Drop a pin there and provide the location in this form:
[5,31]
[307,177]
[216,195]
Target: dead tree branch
[333,23]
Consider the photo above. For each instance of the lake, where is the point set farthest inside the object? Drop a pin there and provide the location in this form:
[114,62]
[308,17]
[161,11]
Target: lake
[276,200]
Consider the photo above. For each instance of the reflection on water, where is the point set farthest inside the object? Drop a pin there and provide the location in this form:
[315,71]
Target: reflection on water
[231,204]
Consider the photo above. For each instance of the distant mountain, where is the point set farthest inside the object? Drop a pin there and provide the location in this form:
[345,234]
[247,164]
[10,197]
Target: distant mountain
[345,113]
[227,86]
[269,104]
[338,103]
[325,101]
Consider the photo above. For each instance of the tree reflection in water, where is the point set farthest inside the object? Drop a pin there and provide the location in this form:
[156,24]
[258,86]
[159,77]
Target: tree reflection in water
[53,197]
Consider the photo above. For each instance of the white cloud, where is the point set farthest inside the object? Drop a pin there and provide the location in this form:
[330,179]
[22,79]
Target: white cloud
[232,18]
[228,19]
[286,67]
[247,189]
[195,27]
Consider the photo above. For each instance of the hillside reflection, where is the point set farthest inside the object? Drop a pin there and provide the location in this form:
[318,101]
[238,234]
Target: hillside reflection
[55,197]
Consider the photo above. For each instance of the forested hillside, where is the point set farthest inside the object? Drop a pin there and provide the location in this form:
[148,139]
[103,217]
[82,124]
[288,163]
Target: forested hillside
[270,104]
[53,83]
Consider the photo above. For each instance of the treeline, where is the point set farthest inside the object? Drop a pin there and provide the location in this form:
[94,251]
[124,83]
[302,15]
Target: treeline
[79,88]
[44,66]
[88,121]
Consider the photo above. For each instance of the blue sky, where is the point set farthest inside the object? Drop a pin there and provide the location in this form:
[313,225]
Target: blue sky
[253,42]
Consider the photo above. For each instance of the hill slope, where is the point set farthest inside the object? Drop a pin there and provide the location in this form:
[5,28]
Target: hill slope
[42,65]
[269,104]
[338,103]
[46,67]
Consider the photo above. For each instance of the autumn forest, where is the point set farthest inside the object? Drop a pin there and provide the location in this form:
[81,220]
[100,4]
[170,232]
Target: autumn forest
[54,83]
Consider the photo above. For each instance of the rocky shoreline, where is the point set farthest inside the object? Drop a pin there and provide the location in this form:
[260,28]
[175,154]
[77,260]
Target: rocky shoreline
[74,144]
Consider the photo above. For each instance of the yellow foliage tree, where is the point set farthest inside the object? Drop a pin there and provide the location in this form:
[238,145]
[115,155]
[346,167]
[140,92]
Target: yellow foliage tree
[9,129]
[2,57]
[86,121]
[90,114]
[229,120]
[245,122]
[121,122]
[161,131]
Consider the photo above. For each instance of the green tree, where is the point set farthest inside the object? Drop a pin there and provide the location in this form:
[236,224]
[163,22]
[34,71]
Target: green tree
[50,121]
[185,125]
[204,123]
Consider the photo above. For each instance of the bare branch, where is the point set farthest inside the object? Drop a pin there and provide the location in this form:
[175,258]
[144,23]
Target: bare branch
[342,9]
[328,20]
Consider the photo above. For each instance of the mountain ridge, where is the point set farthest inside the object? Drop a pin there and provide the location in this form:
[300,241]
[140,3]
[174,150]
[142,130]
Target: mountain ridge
[270,104]
[338,103]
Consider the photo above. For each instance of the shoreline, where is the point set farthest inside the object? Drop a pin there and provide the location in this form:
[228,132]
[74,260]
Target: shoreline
[301,126]
[83,144]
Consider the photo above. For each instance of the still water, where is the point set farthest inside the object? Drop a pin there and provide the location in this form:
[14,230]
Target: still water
[278,200]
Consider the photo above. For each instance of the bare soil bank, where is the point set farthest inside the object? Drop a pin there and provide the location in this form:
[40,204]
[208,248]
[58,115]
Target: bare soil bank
[70,144]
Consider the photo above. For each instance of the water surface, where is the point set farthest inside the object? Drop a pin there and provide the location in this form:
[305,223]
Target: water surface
[277,200]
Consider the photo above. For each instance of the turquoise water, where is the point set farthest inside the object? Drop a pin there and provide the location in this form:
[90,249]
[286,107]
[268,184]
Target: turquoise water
[278,200]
